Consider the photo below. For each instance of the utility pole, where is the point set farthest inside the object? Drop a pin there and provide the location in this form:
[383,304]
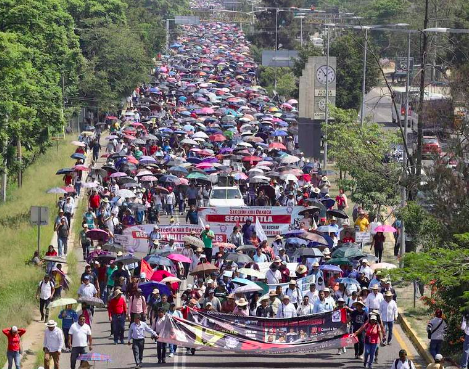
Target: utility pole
[404,155]
[420,122]
[326,110]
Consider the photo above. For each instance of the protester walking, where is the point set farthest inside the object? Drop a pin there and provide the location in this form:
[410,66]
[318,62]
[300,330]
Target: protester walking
[117,310]
[403,362]
[53,344]
[436,330]
[44,294]
[79,338]
[14,350]
[136,338]
[68,317]
[373,336]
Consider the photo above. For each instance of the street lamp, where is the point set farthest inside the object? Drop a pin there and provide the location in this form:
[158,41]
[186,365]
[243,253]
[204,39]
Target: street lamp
[300,17]
[445,30]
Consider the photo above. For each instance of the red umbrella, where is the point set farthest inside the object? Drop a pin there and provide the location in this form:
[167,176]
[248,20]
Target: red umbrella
[277,145]
[225,245]
[217,138]
[97,234]
[131,159]
[179,257]
[159,275]
[252,158]
[81,168]
[69,189]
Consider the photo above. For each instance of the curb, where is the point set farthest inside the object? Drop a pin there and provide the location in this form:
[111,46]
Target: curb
[422,347]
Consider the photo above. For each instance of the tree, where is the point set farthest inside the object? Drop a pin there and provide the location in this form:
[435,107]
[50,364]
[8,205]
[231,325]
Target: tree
[303,54]
[349,52]
[285,80]
[362,152]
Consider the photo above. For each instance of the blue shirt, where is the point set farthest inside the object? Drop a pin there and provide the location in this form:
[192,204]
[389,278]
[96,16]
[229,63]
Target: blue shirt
[68,317]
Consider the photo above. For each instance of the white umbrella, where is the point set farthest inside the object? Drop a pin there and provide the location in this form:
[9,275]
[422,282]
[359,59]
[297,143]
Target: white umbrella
[289,177]
[144,172]
[244,144]
[90,185]
[288,159]
[259,179]
[252,273]
[170,280]
[188,141]
[56,190]
[125,193]
[200,134]
[248,288]
[78,143]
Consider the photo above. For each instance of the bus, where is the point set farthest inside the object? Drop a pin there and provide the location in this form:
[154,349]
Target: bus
[438,109]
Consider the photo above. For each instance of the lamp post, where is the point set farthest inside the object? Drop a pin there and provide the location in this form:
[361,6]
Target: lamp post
[300,17]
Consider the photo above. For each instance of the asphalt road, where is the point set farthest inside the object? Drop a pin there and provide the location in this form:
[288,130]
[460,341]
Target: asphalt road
[378,106]
[122,354]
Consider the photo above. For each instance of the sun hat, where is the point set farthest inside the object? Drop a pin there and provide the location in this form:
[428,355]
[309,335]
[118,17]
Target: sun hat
[286,297]
[278,237]
[340,299]
[292,282]
[51,324]
[359,303]
[326,251]
[241,302]
[155,291]
[388,294]
[316,264]
[326,289]
[373,317]
[277,260]
[272,293]
[375,287]
[301,269]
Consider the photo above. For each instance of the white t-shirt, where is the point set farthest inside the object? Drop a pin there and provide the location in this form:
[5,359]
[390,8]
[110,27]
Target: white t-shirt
[87,290]
[46,290]
[79,334]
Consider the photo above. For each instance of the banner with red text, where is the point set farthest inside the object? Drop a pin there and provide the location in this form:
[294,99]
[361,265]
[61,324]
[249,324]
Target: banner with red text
[274,219]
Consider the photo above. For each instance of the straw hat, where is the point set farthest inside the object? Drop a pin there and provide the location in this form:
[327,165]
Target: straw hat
[272,293]
[278,237]
[292,282]
[388,294]
[326,251]
[51,324]
[301,269]
[241,302]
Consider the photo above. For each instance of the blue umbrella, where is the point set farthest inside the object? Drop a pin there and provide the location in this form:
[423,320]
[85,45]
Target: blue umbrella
[148,287]
[176,45]
[242,281]
[348,281]
[293,232]
[328,203]
[145,160]
[185,112]
[77,156]
[169,179]
[178,169]
[158,260]
[330,268]
[280,133]
[296,241]
[194,160]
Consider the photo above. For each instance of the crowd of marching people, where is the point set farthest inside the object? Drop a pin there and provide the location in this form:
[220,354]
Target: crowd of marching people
[200,120]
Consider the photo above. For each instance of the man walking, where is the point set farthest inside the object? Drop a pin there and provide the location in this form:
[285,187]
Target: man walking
[79,337]
[436,330]
[62,236]
[207,237]
[44,293]
[388,313]
[117,309]
[137,336]
[53,344]
[158,325]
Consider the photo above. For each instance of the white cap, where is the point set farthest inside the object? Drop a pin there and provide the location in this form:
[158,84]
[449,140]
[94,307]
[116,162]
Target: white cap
[438,357]
[14,328]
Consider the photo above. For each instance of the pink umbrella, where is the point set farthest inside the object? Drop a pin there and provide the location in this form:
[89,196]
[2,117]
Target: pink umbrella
[204,165]
[81,168]
[179,257]
[183,181]
[148,179]
[118,174]
[385,228]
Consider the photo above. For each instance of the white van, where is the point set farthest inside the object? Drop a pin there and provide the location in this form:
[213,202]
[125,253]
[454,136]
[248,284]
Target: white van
[225,196]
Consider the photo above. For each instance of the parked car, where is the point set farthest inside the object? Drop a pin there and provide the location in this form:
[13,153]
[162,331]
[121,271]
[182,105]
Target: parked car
[431,145]
[226,196]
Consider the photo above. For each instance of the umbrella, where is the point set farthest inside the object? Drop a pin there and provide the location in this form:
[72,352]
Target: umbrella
[385,228]
[62,302]
[238,258]
[248,288]
[125,193]
[171,280]
[118,174]
[78,143]
[128,259]
[179,257]
[56,190]
[90,185]
[196,175]
[193,241]
[243,281]
[327,229]
[148,287]
[78,156]
[65,171]
[97,234]
[289,159]
[246,248]
[339,261]
[296,241]
[383,266]
[158,260]
[337,213]
[224,245]
[348,281]
[92,301]
[54,259]
[314,237]
[328,203]
[106,258]
[94,356]
[252,273]
[204,269]
[309,252]
[347,252]
[309,210]
[330,268]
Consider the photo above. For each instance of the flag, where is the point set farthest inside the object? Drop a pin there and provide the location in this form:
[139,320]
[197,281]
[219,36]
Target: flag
[260,231]
[201,222]
[146,268]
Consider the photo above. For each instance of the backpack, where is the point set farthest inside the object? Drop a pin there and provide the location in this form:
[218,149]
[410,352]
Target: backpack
[408,362]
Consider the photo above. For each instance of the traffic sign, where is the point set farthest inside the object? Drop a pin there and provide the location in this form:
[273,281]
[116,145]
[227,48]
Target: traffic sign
[39,215]
[182,19]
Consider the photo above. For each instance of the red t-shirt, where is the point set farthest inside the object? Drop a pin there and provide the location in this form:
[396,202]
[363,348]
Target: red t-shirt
[117,306]
[13,340]
[94,201]
[51,253]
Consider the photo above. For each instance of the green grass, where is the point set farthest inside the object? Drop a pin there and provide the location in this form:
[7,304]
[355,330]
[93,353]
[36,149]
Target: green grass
[18,239]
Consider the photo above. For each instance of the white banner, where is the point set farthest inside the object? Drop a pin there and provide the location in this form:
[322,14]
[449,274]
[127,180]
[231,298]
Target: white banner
[274,219]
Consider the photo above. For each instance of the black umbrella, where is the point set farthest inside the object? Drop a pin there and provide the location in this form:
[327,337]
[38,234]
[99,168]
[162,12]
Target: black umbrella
[337,213]
[238,258]
[309,210]
[310,252]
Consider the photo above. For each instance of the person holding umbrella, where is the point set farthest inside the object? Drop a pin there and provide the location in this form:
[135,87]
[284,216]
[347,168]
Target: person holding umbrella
[68,317]
[136,338]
